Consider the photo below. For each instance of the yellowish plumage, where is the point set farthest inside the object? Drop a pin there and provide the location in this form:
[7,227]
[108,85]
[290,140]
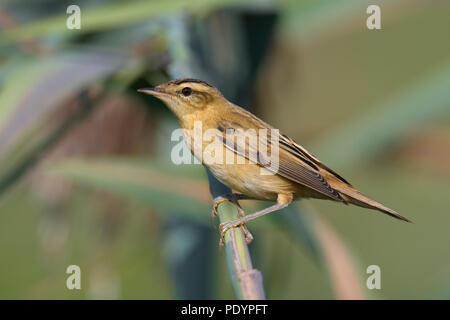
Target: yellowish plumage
[300,174]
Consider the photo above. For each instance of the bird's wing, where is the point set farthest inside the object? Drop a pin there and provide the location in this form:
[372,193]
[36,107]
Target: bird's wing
[293,164]
[313,159]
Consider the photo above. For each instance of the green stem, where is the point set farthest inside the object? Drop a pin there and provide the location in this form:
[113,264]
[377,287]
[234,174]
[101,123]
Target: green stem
[247,282]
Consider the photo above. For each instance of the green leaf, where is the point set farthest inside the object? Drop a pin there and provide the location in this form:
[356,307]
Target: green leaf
[328,248]
[110,16]
[300,228]
[426,99]
[162,188]
[307,17]
[33,95]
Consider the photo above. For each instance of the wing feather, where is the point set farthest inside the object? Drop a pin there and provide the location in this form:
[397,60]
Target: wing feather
[292,164]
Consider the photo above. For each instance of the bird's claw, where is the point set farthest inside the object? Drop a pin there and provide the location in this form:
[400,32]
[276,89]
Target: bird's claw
[216,202]
[227,226]
[220,199]
[224,227]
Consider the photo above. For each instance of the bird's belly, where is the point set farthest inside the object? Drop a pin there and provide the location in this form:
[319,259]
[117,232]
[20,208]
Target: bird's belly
[248,179]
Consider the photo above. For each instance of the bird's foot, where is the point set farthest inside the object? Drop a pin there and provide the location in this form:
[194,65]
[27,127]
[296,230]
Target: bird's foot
[216,202]
[227,226]
[233,198]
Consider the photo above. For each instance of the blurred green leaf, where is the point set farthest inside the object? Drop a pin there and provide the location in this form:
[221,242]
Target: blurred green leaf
[42,83]
[344,272]
[151,183]
[309,16]
[33,96]
[426,99]
[326,247]
[300,228]
[110,16]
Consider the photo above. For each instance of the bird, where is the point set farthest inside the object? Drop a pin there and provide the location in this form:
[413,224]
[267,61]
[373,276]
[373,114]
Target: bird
[298,174]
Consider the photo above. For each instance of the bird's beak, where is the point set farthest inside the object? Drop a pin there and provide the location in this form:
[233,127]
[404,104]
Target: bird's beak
[152,92]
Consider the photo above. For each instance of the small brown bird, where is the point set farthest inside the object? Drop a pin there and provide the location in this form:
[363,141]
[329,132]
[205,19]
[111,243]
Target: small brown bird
[298,173]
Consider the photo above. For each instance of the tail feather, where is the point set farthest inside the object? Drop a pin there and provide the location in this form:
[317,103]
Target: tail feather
[357,198]
[353,196]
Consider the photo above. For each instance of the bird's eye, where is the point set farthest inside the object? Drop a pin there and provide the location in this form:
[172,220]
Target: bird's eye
[186,91]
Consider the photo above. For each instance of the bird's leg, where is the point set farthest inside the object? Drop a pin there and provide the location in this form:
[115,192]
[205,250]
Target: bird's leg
[282,202]
[233,197]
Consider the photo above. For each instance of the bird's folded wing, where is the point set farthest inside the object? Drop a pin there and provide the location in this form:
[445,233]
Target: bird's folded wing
[291,163]
[310,157]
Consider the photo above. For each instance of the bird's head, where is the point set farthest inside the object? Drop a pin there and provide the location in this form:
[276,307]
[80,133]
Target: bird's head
[186,96]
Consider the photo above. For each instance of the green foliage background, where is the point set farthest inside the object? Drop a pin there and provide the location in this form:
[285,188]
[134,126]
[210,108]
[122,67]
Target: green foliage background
[374,105]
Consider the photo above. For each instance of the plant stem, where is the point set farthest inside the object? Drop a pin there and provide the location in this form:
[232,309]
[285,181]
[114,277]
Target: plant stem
[247,282]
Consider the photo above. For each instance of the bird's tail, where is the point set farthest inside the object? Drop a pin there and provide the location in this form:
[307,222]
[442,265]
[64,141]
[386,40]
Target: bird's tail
[355,197]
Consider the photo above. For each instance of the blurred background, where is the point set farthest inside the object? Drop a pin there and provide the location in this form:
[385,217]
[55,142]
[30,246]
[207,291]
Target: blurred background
[85,170]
